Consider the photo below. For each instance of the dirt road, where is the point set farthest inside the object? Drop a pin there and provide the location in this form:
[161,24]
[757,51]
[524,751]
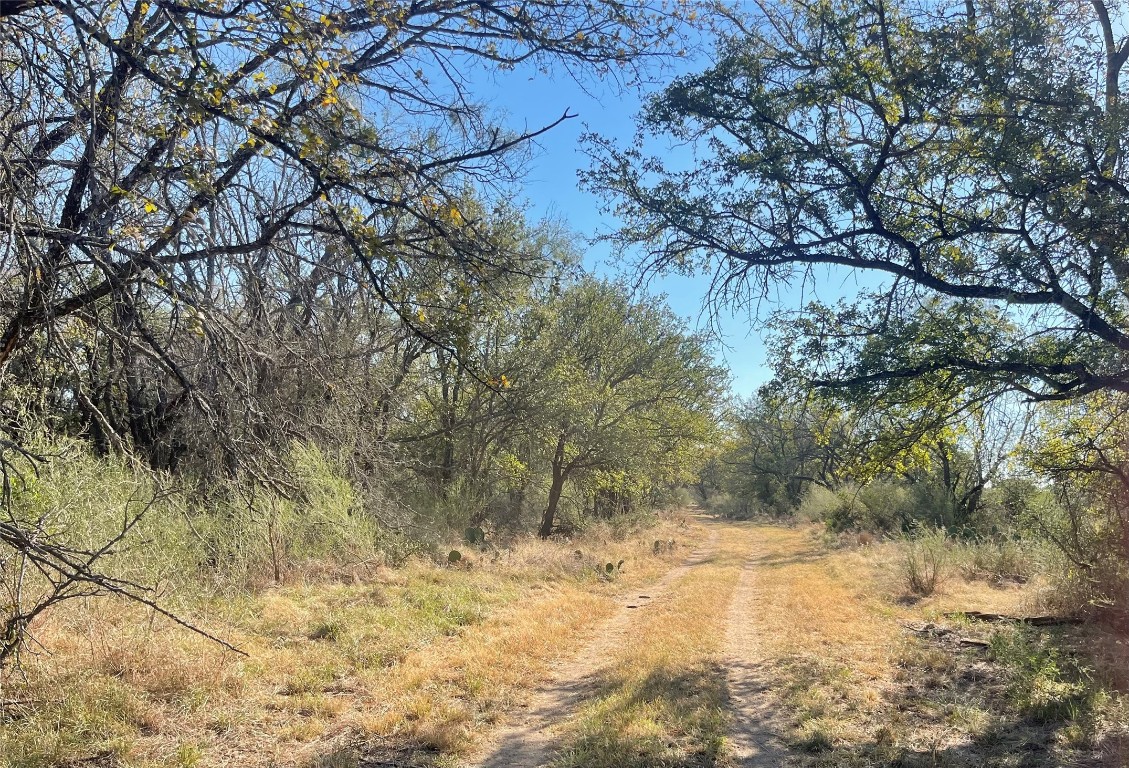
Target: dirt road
[721,578]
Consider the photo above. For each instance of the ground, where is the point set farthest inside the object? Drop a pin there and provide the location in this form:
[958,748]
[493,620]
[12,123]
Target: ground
[701,642]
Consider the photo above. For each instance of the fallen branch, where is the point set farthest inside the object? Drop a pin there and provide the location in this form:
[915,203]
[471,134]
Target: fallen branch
[946,635]
[999,618]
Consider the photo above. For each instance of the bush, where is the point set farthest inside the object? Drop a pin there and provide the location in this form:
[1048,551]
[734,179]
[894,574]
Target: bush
[728,506]
[878,506]
[1087,552]
[818,504]
[888,506]
[674,498]
[251,533]
[1000,561]
[926,556]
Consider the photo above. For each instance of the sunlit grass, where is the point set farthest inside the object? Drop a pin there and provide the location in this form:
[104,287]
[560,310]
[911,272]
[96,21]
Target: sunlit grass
[860,688]
[662,700]
[422,656]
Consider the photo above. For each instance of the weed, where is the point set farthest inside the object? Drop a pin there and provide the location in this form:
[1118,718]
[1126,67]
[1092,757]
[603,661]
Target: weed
[188,755]
[1044,684]
[814,737]
[332,630]
[338,758]
[999,561]
[925,560]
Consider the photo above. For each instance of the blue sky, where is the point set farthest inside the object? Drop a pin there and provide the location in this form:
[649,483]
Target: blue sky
[551,186]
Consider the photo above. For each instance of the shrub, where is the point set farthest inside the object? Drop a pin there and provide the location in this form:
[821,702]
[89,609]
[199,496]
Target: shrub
[925,560]
[849,513]
[674,498]
[818,504]
[999,561]
[250,532]
[728,506]
[887,506]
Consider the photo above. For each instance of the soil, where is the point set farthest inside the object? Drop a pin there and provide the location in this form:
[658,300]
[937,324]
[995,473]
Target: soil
[752,740]
[530,740]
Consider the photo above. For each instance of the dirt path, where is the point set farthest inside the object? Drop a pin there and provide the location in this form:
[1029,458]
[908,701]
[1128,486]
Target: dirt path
[528,742]
[753,743]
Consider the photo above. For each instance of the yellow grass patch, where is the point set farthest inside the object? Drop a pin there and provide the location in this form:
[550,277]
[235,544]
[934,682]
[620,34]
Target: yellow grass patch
[421,656]
[861,689]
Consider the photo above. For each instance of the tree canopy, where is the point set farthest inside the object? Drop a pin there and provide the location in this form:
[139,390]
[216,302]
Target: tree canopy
[622,390]
[188,188]
[970,154]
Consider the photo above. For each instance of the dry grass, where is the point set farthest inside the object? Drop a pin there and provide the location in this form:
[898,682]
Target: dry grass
[422,657]
[417,663]
[661,701]
[862,690]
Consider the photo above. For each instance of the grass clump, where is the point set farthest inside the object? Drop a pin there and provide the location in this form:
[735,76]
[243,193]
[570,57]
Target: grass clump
[1044,683]
[925,561]
[1001,561]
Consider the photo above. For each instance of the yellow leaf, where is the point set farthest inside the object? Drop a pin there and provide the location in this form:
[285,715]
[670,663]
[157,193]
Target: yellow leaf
[150,207]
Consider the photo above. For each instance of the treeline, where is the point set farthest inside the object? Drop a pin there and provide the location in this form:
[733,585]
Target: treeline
[1002,472]
[950,179]
[263,296]
[536,406]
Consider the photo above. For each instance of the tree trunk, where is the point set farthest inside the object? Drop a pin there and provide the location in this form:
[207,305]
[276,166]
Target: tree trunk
[560,473]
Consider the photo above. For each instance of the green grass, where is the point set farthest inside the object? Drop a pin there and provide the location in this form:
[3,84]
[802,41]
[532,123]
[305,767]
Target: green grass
[1045,684]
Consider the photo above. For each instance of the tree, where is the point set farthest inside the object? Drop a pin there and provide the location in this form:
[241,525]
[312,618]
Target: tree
[165,161]
[621,388]
[217,216]
[784,441]
[959,150]
[464,428]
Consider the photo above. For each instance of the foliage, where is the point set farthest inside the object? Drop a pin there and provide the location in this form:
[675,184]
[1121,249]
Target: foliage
[781,444]
[1046,684]
[957,150]
[881,468]
[65,530]
[1082,451]
[231,228]
[622,397]
[115,528]
[970,157]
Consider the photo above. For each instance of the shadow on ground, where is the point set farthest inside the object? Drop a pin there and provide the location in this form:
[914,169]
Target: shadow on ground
[670,718]
[1019,706]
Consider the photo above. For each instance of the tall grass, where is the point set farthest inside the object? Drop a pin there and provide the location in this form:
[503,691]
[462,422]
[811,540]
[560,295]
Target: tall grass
[168,541]
[925,562]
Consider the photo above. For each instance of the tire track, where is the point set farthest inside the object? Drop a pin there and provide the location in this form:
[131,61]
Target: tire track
[753,740]
[529,742]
